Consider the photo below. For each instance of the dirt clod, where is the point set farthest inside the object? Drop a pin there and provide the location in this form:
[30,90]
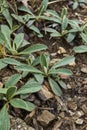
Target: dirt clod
[46,117]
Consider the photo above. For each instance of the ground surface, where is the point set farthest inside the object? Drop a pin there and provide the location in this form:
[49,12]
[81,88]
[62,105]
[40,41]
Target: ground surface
[68,112]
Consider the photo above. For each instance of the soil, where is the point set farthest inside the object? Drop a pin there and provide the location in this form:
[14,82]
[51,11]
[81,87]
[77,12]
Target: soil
[70,110]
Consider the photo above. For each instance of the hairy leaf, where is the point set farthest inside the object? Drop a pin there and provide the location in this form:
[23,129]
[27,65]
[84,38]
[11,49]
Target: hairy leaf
[18,41]
[25,9]
[84,37]
[28,68]
[6,33]
[12,80]
[11,61]
[4,119]
[43,61]
[55,87]
[70,37]
[65,61]
[10,92]
[80,49]
[62,84]
[64,23]
[3,90]
[19,103]
[2,65]
[29,87]
[43,6]
[55,34]
[6,14]
[39,78]
[60,71]
[34,48]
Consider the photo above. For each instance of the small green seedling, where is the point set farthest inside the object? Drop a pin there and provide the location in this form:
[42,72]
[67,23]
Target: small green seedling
[50,72]
[13,46]
[59,20]
[29,18]
[10,96]
[5,12]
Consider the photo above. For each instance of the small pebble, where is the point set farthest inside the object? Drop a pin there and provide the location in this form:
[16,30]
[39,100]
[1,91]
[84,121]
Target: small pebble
[46,117]
[84,108]
[69,86]
[79,121]
[84,70]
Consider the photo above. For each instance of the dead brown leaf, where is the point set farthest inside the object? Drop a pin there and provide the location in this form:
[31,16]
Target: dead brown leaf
[2,51]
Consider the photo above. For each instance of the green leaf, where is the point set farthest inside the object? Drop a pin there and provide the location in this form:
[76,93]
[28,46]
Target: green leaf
[25,9]
[2,39]
[43,6]
[53,14]
[18,18]
[65,61]
[39,78]
[50,19]
[24,43]
[6,14]
[28,68]
[84,37]
[64,23]
[15,27]
[10,92]
[4,119]
[18,41]
[21,18]
[61,71]
[6,33]
[34,48]
[74,23]
[51,30]
[12,80]
[36,61]
[64,71]
[11,61]
[2,65]
[55,34]
[43,61]
[29,87]
[19,103]
[35,29]
[80,49]
[70,37]
[62,84]
[3,90]
[55,87]
[74,30]
[30,22]
[24,74]
[64,12]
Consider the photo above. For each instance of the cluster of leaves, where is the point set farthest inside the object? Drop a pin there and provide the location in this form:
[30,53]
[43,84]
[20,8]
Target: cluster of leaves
[64,27]
[50,72]
[68,29]
[10,95]
[14,46]
[18,52]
